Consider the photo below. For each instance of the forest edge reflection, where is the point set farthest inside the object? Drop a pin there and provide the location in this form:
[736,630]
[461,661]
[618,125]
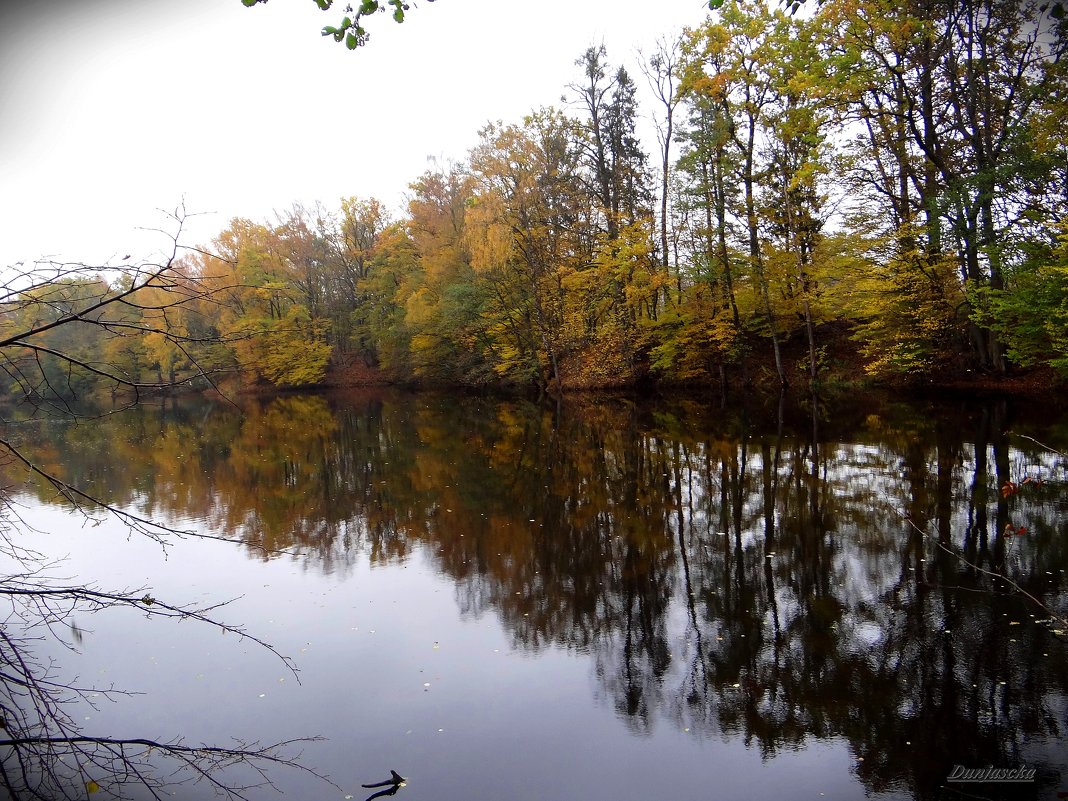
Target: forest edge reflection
[771,573]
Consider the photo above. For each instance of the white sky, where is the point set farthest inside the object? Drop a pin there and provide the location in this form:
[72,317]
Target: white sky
[112,110]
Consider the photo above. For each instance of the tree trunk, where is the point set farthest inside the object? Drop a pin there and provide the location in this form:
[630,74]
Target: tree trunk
[755,257]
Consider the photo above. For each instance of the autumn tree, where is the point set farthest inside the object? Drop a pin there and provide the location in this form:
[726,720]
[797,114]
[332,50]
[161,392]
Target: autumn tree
[446,301]
[611,150]
[951,99]
[624,268]
[662,73]
[702,332]
[360,227]
[395,275]
[794,202]
[272,310]
[726,64]
[525,238]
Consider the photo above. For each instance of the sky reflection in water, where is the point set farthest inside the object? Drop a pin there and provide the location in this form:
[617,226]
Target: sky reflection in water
[606,600]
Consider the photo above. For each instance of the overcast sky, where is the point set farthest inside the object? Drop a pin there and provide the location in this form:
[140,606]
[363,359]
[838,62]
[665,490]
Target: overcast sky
[111,110]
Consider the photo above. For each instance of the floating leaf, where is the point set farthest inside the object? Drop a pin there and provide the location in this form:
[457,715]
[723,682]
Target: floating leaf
[92,787]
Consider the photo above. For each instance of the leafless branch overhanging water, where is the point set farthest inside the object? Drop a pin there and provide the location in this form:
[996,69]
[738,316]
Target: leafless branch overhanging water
[44,753]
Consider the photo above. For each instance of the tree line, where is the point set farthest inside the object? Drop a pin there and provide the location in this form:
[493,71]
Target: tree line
[897,171]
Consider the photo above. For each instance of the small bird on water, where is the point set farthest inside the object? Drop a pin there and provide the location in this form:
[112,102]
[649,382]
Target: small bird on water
[395,778]
[394,783]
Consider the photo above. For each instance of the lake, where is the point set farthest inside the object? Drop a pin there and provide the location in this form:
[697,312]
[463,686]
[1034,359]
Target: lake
[605,598]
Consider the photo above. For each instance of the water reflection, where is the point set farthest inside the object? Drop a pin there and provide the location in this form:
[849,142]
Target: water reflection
[774,574]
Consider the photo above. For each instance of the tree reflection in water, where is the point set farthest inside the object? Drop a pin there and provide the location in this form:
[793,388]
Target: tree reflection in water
[770,573]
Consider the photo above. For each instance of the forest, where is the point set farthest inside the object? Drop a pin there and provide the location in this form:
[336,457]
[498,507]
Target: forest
[877,179]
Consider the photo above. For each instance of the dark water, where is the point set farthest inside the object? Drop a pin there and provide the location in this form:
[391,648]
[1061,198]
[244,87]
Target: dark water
[603,600]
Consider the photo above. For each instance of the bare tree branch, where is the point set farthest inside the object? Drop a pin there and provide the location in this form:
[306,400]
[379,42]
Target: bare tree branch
[46,312]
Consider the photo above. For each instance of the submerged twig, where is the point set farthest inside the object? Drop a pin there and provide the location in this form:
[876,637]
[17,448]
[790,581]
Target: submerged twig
[1000,576]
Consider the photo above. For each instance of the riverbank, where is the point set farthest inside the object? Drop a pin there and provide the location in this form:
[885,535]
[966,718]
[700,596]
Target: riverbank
[842,369]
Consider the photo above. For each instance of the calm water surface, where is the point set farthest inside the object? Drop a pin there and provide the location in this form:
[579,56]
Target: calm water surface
[603,600]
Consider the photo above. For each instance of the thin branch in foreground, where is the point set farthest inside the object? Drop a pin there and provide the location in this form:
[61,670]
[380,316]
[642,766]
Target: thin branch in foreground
[1039,444]
[80,499]
[53,316]
[96,600]
[120,763]
[999,576]
[43,751]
